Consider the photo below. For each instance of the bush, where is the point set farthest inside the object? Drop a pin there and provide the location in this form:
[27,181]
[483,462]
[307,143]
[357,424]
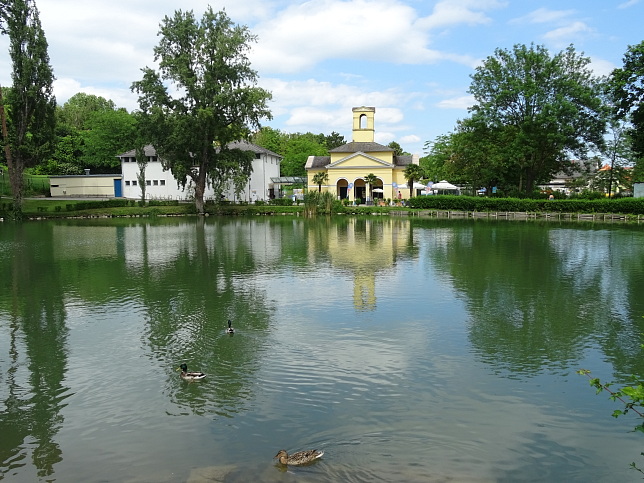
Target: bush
[629,206]
[163,203]
[281,202]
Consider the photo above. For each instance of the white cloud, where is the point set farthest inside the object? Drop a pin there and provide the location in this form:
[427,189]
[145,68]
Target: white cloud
[601,67]
[544,15]
[462,102]
[567,34]
[457,12]
[628,4]
[304,35]
[410,138]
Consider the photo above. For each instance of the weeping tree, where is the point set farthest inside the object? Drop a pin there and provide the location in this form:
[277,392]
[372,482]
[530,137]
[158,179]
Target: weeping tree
[202,98]
[28,111]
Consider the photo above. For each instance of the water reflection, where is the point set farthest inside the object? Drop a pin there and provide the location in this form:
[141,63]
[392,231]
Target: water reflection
[377,339]
[364,248]
[527,291]
[35,357]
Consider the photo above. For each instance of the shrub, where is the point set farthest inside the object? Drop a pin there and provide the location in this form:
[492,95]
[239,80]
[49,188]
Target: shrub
[281,202]
[631,206]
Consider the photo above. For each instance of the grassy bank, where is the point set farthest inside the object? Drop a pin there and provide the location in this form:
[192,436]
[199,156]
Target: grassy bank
[61,208]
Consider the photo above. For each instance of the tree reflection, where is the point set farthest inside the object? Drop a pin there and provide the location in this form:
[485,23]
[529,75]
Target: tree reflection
[34,397]
[527,289]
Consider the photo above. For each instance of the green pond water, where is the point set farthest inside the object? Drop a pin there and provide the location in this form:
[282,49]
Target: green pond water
[405,349]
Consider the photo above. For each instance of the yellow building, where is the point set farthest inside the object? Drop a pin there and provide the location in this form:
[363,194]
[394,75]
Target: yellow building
[347,165]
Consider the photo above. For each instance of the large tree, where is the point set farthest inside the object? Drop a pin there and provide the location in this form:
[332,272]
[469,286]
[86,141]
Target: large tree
[28,112]
[628,91]
[203,97]
[546,108]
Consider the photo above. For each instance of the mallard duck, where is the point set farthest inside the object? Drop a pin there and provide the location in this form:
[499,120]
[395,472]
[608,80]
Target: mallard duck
[190,376]
[299,458]
[230,330]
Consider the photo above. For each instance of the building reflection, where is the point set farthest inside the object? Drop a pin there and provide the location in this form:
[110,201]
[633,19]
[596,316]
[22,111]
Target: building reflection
[367,248]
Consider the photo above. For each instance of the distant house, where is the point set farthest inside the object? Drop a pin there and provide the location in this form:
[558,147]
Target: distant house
[577,179]
[161,184]
[347,165]
[638,190]
[87,185]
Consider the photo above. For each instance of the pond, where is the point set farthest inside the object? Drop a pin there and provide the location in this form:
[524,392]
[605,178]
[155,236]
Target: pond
[405,349]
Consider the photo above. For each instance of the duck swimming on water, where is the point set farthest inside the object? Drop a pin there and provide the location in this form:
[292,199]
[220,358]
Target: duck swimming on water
[230,330]
[190,376]
[299,458]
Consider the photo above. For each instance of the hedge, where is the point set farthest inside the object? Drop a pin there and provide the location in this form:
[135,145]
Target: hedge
[627,206]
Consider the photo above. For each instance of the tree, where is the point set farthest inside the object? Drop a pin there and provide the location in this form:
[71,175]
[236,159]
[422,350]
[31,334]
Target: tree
[334,140]
[370,179]
[216,101]
[413,172]
[549,104]
[28,126]
[398,150]
[297,150]
[319,179]
[627,84]
[107,133]
[78,109]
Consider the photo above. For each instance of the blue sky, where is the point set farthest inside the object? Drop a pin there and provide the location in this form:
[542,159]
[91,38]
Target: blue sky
[410,59]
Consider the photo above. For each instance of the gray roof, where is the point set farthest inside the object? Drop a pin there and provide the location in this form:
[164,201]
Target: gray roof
[318,162]
[354,147]
[242,145]
[247,146]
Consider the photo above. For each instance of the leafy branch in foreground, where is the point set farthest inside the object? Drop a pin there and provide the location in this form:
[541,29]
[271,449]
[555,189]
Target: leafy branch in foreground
[632,396]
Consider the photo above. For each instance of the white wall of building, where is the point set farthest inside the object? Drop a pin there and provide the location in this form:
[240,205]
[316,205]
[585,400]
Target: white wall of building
[162,185]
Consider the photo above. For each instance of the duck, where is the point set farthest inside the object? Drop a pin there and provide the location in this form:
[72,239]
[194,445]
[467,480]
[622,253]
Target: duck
[299,458]
[190,376]
[230,330]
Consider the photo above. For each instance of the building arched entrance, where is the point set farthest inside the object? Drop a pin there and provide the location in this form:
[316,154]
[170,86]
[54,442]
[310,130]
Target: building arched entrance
[342,189]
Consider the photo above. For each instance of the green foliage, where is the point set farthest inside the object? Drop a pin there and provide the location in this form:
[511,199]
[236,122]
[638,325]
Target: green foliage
[107,133]
[320,178]
[627,85]
[90,205]
[630,395]
[412,173]
[398,150]
[627,206]
[281,202]
[532,112]
[30,104]
[218,102]
[321,203]
[297,150]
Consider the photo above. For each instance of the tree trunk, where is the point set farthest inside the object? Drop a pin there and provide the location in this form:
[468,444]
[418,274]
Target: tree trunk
[200,188]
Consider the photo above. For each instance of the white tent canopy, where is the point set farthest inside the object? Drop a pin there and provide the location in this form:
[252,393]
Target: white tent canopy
[417,186]
[444,185]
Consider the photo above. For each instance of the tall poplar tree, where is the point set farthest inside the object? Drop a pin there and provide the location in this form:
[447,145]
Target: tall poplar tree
[203,97]
[28,114]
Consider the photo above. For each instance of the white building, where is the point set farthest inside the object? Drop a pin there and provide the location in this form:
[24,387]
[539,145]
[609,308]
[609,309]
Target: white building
[161,184]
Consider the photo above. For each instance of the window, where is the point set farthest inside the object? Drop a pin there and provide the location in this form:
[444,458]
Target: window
[148,182]
[162,182]
[133,183]
[258,155]
[363,121]
[155,182]
[127,183]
